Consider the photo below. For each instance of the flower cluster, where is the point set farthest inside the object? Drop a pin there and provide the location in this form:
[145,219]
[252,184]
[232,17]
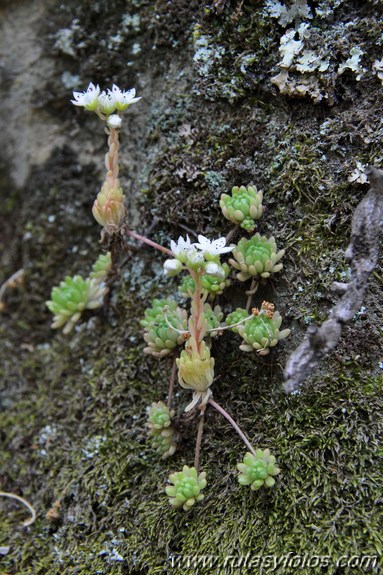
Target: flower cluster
[257,470]
[163,323]
[160,429]
[105,103]
[256,258]
[243,207]
[197,255]
[186,488]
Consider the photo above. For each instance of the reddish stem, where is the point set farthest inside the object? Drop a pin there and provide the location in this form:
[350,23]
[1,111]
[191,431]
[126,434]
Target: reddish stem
[171,384]
[197,310]
[199,439]
[223,412]
[149,242]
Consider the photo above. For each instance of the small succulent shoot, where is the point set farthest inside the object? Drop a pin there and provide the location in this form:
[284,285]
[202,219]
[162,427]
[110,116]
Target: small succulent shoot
[159,416]
[72,297]
[101,267]
[258,470]
[165,325]
[164,436]
[212,284]
[108,208]
[262,332]
[165,442]
[186,487]
[195,366]
[236,316]
[213,318]
[256,258]
[243,207]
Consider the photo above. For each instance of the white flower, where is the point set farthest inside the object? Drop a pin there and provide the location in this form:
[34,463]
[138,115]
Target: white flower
[114,121]
[172,267]
[213,269]
[124,99]
[107,102]
[181,248]
[88,99]
[214,247]
[194,259]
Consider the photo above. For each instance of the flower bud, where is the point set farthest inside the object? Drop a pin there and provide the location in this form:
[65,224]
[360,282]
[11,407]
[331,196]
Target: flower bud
[114,121]
[215,270]
[172,267]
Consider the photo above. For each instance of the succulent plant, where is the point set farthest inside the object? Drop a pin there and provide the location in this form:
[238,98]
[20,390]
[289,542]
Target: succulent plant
[108,208]
[164,436]
[257,470]
[165,442]
[159,416]
[159,332]
[195,366]
[262,331]
[256,258]
[234,317]
[214,285]
[213,317]
[186,488]
[243,207]
[101,267]
[72,297]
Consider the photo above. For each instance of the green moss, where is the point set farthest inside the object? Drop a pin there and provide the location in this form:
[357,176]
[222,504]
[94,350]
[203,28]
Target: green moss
[74,410]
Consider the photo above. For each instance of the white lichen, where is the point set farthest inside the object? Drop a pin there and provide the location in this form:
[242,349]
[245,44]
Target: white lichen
[298,11]
[353,63]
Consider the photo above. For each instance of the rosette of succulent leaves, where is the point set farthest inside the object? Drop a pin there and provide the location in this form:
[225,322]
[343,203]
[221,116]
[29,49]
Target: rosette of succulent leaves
[185,335]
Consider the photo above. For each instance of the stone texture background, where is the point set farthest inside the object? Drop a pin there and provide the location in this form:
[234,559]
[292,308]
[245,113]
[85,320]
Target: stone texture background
[73,408]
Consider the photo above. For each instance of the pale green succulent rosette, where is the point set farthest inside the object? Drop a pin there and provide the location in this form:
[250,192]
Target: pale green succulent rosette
[101,267]
[258,470]
[72,297]
[212,284]
[256,258]
[159,416]
[186,488]
[234,317]
[159,321]
[165,442]
[243,207]
[195,367]
[262,332]
[164,436]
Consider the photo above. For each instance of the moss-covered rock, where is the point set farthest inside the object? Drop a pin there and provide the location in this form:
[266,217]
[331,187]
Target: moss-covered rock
[73,409]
